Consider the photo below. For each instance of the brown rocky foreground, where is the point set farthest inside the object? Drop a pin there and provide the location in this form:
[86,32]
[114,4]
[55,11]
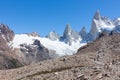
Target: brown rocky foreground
[99,60]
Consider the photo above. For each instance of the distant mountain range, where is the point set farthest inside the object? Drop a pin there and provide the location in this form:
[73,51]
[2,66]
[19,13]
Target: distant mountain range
[31,48]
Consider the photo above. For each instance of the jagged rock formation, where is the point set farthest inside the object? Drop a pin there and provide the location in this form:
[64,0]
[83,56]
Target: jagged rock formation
[97,15]
[34,34]
[7,59]
[99,60]
[69,36]
[53,36]
[6,33]
[100,24]
[83,34]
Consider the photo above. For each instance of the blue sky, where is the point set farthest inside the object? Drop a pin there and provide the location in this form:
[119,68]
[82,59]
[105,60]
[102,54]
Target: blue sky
[43,16]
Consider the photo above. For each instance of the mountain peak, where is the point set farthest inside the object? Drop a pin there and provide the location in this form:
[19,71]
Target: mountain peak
[34,34]
[100,24]
[6,33]
[83,29]
[53,36]
[83,32]
[67,29]
[70,35]
[97,15]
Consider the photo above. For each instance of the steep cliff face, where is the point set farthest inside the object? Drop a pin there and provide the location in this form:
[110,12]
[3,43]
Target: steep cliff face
[100,24]
[70,36]
[6,36]
[85,37]
[83,33]
[6,33]
[7,56]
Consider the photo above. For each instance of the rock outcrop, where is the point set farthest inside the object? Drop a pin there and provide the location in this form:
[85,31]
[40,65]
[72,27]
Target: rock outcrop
[34,34]
[83,34]
[100,24]
[53,36]
[69,36]
[6,33]
[7,56]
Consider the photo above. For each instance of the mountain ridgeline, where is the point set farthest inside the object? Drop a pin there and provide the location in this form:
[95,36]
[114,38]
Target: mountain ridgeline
[23,49]
[99,24]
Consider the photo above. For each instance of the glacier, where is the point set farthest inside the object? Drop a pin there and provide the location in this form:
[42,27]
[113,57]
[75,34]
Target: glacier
[61,48]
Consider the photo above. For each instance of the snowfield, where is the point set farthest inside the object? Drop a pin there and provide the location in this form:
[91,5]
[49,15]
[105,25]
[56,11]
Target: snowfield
[61,48]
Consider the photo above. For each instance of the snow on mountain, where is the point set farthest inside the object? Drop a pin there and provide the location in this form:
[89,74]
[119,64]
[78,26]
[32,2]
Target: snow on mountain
[116,22]
[22,39]
[53,36]
[117,29]
[60,47]
[30,48]
[107,24]
[71,40]
[100,24]
[70,36]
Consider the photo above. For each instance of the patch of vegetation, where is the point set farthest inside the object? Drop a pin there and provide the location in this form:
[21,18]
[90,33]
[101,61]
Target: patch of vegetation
[16,63]
[52,71]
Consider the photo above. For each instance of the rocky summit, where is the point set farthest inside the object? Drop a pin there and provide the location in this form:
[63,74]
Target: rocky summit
[7,56]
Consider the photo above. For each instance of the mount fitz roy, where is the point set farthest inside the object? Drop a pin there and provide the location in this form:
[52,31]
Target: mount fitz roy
[31,48]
